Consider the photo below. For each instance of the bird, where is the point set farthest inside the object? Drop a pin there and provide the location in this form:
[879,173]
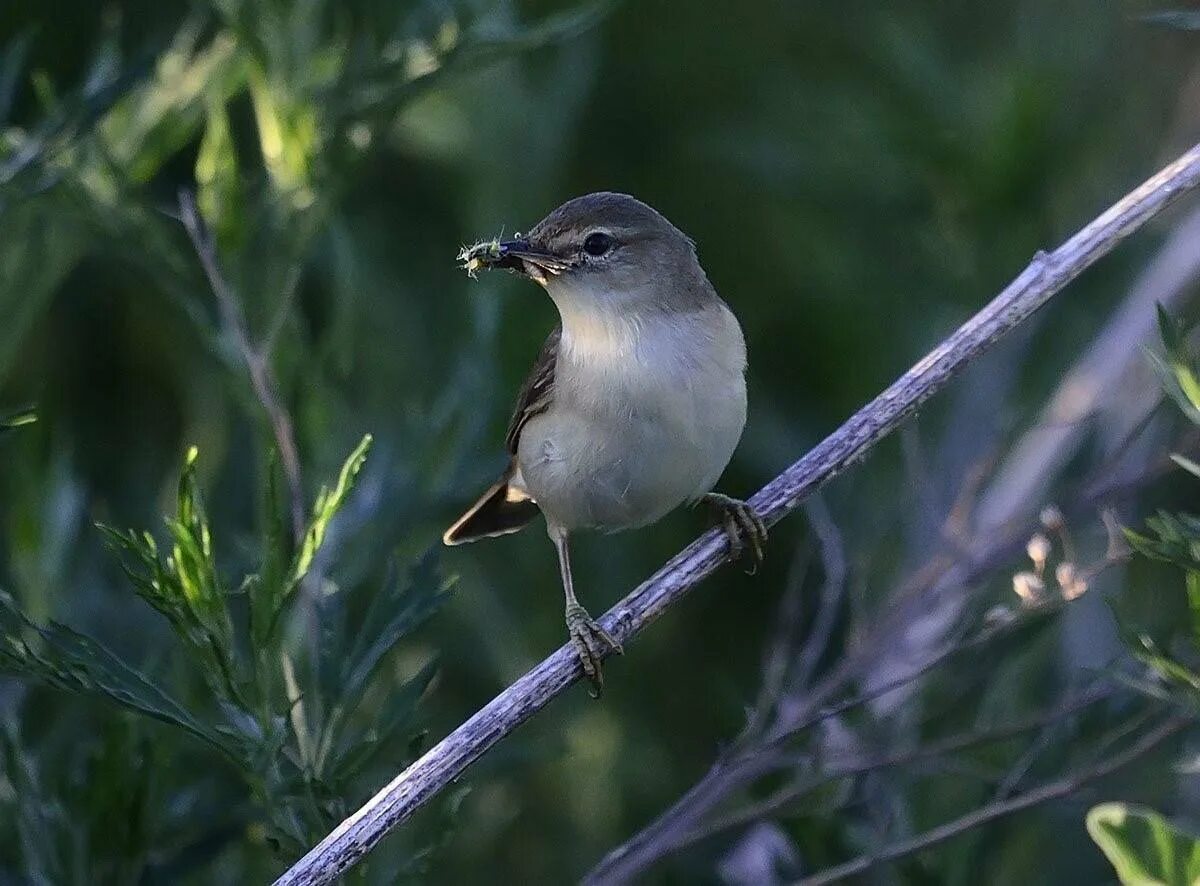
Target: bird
[636,401]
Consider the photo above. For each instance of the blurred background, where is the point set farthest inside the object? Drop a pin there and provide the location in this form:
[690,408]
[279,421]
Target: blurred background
[232,225]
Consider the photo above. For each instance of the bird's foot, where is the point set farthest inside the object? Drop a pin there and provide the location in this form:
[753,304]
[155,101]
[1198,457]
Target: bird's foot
[592,643]
[742,524]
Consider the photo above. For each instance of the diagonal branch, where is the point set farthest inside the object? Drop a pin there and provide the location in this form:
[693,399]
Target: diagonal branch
[1054,790]
[1045,276]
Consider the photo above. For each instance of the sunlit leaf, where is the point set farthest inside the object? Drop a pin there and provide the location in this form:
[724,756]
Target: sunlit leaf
[218,186]
[17,419]
[328,503]
[1175,368]
[1143,847]
[1186,463]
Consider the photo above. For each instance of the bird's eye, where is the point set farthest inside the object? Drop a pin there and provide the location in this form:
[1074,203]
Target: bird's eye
[597,244]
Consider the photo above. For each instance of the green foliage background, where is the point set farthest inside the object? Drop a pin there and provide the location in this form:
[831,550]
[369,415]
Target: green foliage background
[858,178]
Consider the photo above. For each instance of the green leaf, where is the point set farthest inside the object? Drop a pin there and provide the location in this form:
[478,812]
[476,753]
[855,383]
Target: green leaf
[394,613]
[329,502]
[71,661]
[1186,463]
[1176,371]
[384,91]
[349,669]
[359,750]
[1172,538]
[17,419]
[1144,847]
[218,187]
[185,587]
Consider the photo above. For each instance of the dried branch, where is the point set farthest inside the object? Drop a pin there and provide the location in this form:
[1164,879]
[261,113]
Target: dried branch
[1053,790]
[755,754]
[261,376]
[783,798]
[1045,276]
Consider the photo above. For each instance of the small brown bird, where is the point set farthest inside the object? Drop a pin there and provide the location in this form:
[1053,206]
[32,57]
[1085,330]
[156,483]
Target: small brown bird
[635,403]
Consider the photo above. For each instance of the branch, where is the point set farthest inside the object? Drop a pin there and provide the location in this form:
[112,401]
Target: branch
[1053,790]
[261,376]
[753,756]
[1045,276]
[786,796]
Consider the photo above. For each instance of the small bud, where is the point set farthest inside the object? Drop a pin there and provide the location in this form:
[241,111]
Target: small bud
[1052,518]
[1038,550]
[1028,586]
[1070,583]
[998,615]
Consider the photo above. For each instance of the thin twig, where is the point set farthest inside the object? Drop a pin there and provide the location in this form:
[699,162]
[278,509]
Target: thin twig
[261,376]
[754,752]
[1046,275]
[833,564]
[781,647]
[786,796]
[1053,790]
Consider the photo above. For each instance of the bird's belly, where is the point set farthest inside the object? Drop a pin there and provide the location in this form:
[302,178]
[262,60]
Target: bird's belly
[621,468]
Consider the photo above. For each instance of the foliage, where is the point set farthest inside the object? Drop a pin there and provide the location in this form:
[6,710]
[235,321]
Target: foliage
[302,748]
[857,181]
[1174,538]
[1144,847]
[17,419]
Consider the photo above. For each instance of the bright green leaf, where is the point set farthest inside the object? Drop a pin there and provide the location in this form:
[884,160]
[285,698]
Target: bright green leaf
[329,502]
[1144,847]
[1186,463]
[17,419]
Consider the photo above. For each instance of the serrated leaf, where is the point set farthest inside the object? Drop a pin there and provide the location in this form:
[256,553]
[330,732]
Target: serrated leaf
[394,613]
[329,502]
[357,751]
[1172,538]
[1175,369]
[1143,847]
[71,661]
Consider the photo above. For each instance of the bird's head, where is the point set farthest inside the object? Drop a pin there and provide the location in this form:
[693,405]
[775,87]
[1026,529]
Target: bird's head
[602,250]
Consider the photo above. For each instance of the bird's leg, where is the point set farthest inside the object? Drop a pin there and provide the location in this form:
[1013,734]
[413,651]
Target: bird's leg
[742,523]
[591,641]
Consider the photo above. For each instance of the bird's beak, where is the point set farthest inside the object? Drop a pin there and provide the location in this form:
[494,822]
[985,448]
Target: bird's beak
[514,255]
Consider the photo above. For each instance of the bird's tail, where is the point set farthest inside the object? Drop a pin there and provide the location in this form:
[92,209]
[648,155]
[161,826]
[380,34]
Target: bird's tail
[502,510]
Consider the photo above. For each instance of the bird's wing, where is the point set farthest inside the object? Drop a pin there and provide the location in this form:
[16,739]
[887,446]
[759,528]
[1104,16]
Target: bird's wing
[538,391]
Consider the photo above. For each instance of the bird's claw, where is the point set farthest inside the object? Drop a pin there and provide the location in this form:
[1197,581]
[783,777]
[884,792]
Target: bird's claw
[742,524]
[592,643]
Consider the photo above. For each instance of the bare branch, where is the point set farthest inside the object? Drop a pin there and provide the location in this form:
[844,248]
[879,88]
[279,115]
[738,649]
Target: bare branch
[261,376]
[833,560]
[1053,790]
[1046,275]
[786,796]
[746,762]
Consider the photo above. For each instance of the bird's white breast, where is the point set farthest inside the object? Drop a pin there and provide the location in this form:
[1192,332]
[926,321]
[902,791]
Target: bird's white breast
[648,408]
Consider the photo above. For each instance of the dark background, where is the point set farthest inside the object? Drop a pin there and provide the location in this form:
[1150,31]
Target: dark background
[859,178]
